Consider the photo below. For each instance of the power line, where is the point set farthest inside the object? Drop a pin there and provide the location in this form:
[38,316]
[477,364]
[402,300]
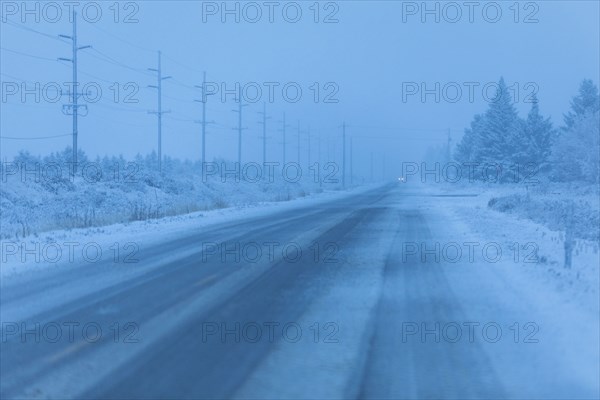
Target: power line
[183,115]
[382,128]
[182,84]
[108,59]
[145,49]
[28,55]
[404,139]
[26,28]
[14,77]
[180,119]
[34,138]
[175,81]
[24,104]
[182,64]
[21,80]
[177,117]
[187,101]
[121,39]
[95,76]
[118,123]
[116,108]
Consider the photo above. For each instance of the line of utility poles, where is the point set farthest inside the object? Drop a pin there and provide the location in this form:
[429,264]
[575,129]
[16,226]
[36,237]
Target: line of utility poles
[159,112]
[73,107]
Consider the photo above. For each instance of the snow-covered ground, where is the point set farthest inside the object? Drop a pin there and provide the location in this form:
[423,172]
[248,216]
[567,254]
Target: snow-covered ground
[564,304]
[533,286]
[40,195]
[541,252]
[542,259]
[75,247]
[561,304]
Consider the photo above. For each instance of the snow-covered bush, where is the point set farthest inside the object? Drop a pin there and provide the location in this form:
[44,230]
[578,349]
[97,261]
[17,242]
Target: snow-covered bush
[576,153]
[39,194]
[581,214]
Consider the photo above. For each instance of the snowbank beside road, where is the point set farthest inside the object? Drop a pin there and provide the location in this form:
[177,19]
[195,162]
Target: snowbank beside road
[75,247]
[39,195]
[541,252]
[526,290]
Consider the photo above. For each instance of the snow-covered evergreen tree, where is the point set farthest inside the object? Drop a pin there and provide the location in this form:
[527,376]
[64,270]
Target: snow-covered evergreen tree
[587,101]
[465,149]
[536,136]
[576,153]
[500,136]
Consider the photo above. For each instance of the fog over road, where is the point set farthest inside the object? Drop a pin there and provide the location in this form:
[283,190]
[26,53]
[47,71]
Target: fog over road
[320,301]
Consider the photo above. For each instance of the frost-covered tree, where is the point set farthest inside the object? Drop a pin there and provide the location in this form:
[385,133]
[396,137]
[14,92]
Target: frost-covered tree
[496,136]
[499,139]
[535,138]
[499,136]
[576,153]
[586,101]
[25,157]
[65,157]
[465,149]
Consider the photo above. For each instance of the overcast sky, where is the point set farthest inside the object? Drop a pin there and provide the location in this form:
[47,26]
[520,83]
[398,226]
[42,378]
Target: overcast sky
[369,57]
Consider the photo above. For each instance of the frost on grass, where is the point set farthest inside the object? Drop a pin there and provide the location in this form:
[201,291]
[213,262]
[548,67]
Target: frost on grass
[39,194]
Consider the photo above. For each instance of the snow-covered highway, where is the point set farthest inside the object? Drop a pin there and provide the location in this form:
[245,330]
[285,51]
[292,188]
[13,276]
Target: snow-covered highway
[363,296]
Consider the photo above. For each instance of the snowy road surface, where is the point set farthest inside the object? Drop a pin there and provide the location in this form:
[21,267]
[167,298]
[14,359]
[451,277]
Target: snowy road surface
[364,297]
